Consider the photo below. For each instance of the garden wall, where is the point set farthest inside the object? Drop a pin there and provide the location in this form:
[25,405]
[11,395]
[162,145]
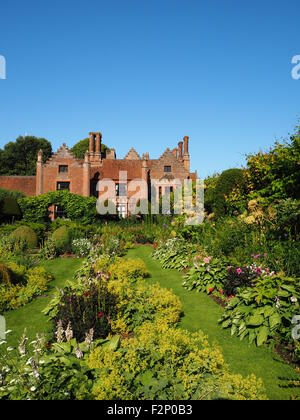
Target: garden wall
[24,184]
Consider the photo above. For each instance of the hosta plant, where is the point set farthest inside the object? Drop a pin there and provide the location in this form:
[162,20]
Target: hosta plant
[175,254]
[207,276]
[266,310]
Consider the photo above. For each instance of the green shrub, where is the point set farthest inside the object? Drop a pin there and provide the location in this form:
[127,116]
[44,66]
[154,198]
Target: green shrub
[27,235]
[62,239]
[226,183]
[9,209]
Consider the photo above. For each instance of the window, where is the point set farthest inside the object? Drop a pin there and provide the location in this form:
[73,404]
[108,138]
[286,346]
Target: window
[61,186]
[121,209]
[59,212]
[63,169]
[168,169]
[121,190]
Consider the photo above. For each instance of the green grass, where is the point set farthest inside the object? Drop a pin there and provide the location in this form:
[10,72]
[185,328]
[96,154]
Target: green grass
[30,316]
[202,313]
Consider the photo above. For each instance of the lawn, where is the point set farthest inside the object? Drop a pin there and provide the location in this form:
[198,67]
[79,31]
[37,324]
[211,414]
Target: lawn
[201,312]
[30,316]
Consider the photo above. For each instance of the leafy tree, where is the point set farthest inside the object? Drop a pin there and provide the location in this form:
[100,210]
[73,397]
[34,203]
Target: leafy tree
[19,157]
[228,181]
[276,173]
[82,146]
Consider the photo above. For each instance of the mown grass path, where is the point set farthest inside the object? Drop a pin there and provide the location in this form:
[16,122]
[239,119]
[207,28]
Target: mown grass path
[202,313]
[30,316]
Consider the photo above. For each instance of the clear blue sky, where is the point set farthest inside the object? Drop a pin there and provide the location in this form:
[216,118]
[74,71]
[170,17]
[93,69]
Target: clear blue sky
[146,73]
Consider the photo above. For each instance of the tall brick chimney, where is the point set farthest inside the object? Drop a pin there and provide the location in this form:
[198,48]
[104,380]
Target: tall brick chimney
[92,146]
[98,146]
[180,147]
[186,155]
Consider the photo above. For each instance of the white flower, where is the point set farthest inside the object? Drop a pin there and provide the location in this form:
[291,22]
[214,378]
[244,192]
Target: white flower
[33,388]
[69,332]
[294,299]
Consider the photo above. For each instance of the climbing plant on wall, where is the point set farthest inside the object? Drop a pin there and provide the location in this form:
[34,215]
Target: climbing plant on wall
[76,207]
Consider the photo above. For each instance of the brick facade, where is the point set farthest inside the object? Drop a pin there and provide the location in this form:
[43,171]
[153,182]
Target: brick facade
[81,176]
[24,184]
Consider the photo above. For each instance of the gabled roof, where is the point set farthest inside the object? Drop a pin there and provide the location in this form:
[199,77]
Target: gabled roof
[132,155]
[65,153]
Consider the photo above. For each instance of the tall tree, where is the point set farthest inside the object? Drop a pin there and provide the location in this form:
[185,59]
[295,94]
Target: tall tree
[19,157]
[82,146]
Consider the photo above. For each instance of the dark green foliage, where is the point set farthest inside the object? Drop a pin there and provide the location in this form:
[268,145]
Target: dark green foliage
[9,209]
[27,235]
[228,180]
[83,209]
[19,157]
[82,146]
[62,239]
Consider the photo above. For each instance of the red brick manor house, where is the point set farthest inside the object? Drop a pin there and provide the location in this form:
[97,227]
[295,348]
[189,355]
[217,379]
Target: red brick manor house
[80,176]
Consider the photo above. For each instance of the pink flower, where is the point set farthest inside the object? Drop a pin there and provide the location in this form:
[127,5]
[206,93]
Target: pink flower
[207,260]
[239,271]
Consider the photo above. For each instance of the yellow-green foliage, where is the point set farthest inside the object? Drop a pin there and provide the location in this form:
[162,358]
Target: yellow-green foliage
[62,238]
[102,264]
[160,362]
[14,296]
[137,301]
[132,269]
[18,270]
[5,275]
[27,235]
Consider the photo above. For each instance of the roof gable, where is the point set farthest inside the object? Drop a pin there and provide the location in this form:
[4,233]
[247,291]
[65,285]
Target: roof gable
[132,155]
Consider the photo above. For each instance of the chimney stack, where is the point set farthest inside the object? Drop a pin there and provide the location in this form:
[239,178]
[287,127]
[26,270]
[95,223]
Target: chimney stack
[186,145]
[98,146]
[92,145]
[180,146]
[186,155]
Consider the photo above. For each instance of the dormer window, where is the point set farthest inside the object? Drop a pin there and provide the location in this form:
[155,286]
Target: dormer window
[168,169]
[63,169]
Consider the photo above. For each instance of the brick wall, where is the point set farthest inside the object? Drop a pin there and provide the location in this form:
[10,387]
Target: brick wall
[24,184]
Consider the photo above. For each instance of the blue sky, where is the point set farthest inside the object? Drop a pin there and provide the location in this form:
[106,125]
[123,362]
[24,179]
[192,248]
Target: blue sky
[146,73]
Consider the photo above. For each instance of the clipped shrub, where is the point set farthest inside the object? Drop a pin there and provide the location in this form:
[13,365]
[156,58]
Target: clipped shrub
[27,235]
[62,239]
[226,183]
